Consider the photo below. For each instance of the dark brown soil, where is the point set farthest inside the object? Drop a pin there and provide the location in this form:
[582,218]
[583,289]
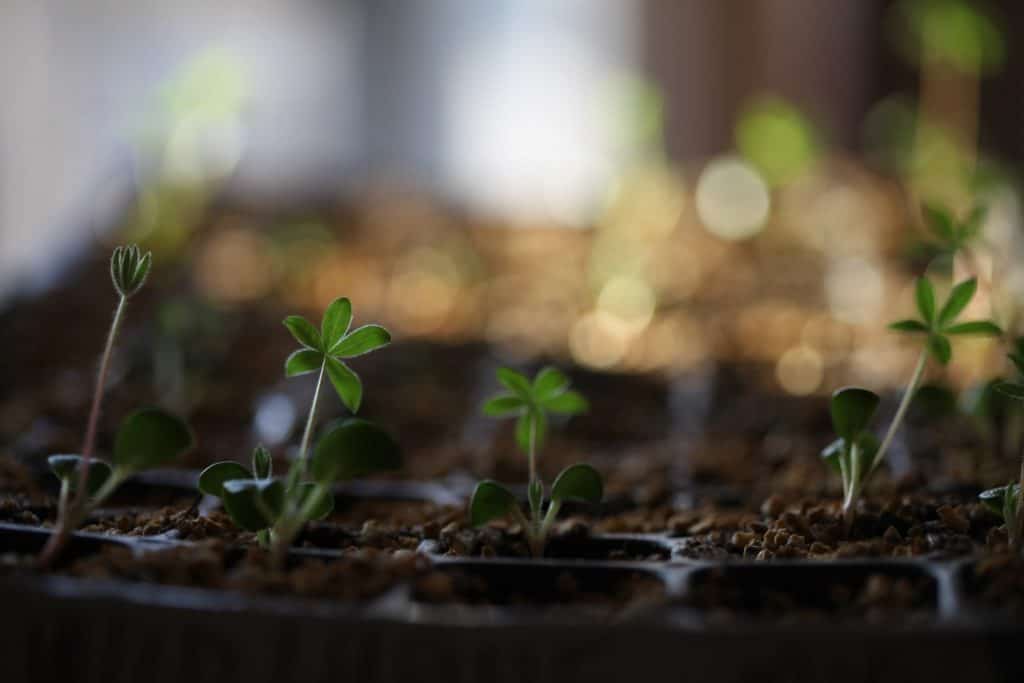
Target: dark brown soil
[997,583]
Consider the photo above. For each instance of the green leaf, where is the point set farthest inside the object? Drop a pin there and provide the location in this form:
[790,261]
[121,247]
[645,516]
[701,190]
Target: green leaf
[925,294]
[490,501]
[1018,360]
[150,438]
[958,299]
[254,504]
[335,322]
[302,362]
[354,448]
[304,332]
[324,506]
[548,383]
[523,424]
[985,328]
[940,222]
[852,409]
[972,225]
[866,448]
[362,340]
[569,403]
[262,463]
[346,383]
[67,468]
[579,482]
[1011,389]
[908,326]
[993,499]
[516,383]
[832,454]
[213,478]
[940,348]
[502,406]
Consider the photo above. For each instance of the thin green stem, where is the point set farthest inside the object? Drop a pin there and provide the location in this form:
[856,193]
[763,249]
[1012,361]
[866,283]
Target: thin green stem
[304,447]
[75,513]
[901,411]
[97,400]
[549,518]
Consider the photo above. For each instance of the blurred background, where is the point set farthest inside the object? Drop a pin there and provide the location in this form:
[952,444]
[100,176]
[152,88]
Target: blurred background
[678,199]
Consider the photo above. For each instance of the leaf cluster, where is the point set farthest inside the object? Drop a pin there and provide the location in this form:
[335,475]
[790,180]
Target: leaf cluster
[952,234]
[326,349]
[255,500]
[531,402]
[129,268]
[939,323]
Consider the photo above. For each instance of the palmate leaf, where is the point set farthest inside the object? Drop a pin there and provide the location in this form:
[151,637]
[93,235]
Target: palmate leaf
[985,328]
[516,383]
[262,463]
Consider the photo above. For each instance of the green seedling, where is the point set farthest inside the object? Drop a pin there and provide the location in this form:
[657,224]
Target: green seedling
[277,509]
[856,454]
[530,403]
[1008,500]
[953,235]
[148,438]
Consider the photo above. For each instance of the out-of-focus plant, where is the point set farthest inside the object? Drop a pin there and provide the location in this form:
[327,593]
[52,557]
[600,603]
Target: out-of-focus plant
[276,510]
[530,403]
[1009,500]
[855,454]
[148,438]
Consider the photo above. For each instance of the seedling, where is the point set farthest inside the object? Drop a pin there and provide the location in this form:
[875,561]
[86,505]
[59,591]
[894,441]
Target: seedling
[530,403]
[953,235]
[1008,500]
[148,438]
[856,454]
[276,510]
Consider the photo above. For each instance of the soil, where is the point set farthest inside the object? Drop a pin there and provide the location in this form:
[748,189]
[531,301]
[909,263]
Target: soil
[996,583]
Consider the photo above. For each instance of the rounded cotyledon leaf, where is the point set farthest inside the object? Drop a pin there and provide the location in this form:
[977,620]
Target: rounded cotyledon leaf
[150,438]
[66,467]
[254,504]
[213,478]
[490,501]
[579,482]
[852,409]
[354,448]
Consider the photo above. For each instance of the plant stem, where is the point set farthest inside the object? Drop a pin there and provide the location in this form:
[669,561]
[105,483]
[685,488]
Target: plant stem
[73,515]
[69,514]
[304,447]
[857,483]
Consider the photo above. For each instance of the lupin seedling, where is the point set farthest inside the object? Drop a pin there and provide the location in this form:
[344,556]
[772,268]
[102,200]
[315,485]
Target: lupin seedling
[855,454]
[530,403]
[952,235]
[1008,501]
[145,439]
[277,509]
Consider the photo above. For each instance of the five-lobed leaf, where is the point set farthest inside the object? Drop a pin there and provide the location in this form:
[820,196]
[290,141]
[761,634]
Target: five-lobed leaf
[354,448]
[579,482]
[852,409]
[490,500]
[150,438]
[213,478]
[129,269]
